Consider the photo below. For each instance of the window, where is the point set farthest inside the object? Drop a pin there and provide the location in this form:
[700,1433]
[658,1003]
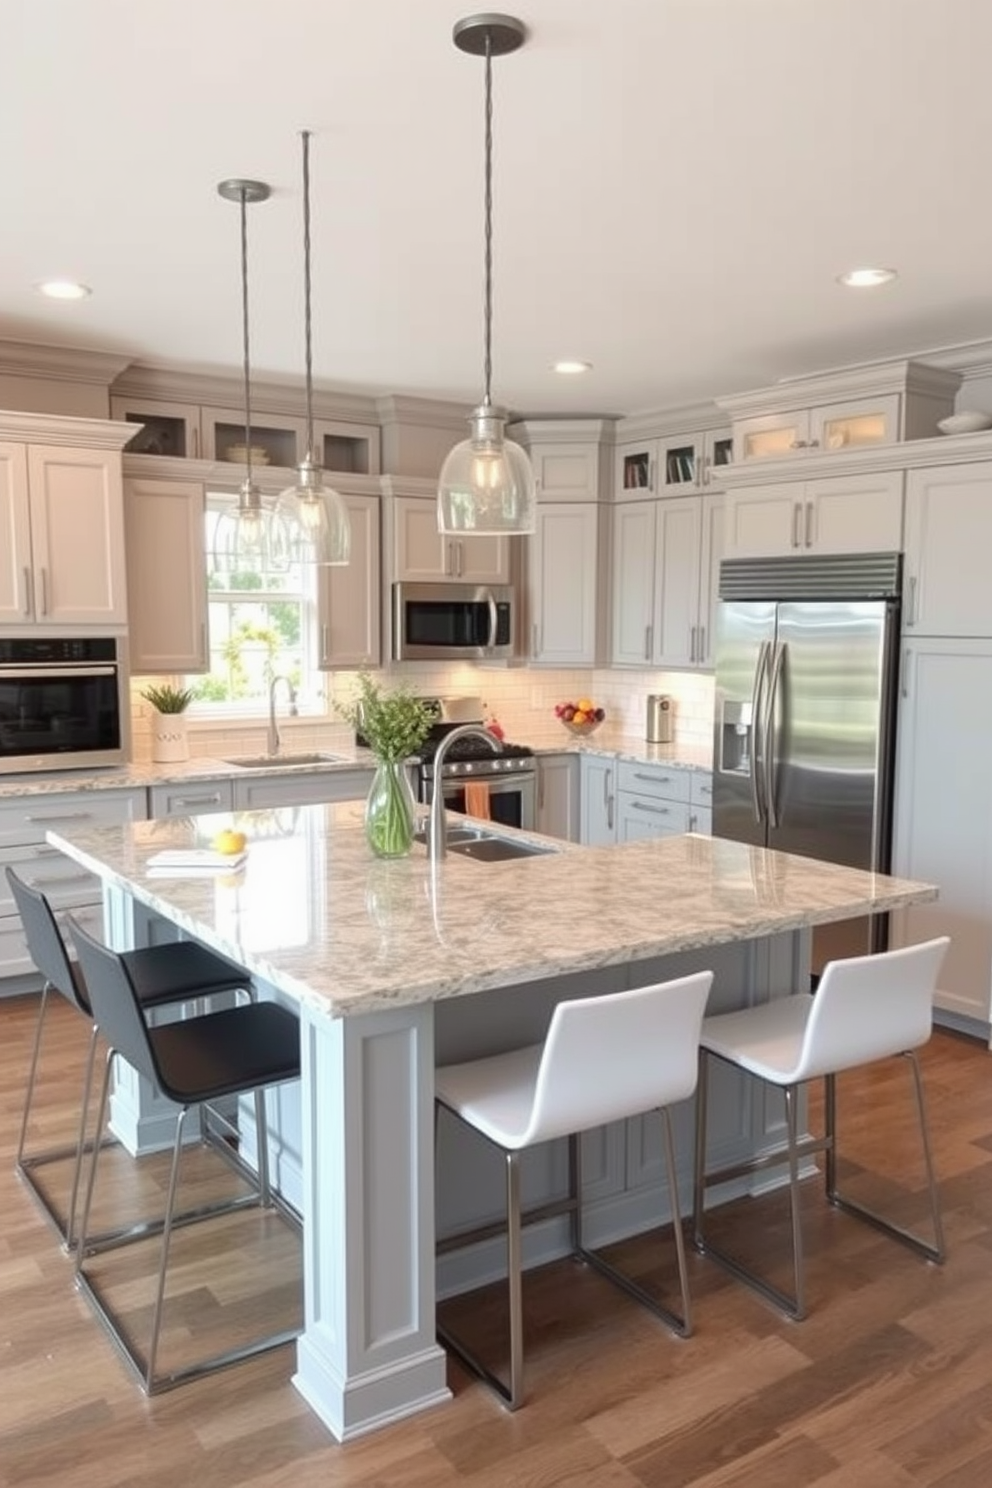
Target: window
[262,624]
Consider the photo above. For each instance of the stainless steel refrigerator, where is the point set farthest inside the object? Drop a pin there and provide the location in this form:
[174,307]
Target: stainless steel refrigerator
[806,661]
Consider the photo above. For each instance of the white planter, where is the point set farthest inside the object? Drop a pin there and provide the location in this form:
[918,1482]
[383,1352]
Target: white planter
[170,740]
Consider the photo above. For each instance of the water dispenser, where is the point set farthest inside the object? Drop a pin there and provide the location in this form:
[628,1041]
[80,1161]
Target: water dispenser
[735,737]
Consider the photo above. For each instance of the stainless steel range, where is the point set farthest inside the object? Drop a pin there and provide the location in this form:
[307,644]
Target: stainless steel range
[509,777]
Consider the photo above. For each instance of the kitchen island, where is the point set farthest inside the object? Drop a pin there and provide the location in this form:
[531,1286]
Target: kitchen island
[393,965]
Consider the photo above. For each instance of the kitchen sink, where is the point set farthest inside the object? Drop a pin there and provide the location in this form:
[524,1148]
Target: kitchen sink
[487,847]
[281,761]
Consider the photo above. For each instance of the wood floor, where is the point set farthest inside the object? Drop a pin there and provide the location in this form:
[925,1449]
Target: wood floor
[887,1384]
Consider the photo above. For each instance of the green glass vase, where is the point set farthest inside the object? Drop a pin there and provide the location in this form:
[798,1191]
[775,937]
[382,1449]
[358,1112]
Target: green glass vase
[389,811]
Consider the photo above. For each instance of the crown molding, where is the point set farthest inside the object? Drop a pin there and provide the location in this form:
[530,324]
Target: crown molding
[170,382]
[690,418]
[813,464]
[55,429]
[870,380]
[563,430]
[60,363]
[226,476]
[407,485]
[401,408]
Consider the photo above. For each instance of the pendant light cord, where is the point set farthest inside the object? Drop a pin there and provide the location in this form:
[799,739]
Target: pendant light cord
[307,326]
[487,367]
[244,315]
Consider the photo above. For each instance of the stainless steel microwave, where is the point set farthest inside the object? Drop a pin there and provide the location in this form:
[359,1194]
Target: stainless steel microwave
[63,703]
[456,622]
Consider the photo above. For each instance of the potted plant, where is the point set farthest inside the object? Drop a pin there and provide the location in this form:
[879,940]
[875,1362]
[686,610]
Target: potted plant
[170,742]
[395,724]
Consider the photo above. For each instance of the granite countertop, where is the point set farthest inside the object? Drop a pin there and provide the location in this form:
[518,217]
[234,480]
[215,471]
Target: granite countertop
[315,914]
[142,774]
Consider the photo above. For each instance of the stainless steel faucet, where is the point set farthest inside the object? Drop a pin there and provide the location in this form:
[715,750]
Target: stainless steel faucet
[438,831]
[273,742]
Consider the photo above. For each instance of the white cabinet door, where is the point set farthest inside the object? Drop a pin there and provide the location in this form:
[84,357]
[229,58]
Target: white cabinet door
[566,472]
[633,583]
[350,597]
[678,537]
[77,536]
[948,541]
[167,576]
[15,536]
[943,812]
[763,520]
[854,514]
[266,792]
[195,798]
[558,796]
[422,554]
[711,551]
[562,572]
[598,784]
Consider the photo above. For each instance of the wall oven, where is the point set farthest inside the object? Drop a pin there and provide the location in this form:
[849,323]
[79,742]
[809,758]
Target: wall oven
[452,622]
[63,703]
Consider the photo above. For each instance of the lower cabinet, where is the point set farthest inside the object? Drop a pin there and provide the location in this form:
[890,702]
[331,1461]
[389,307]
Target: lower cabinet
[943,815]
[652,801]
[258,792]
[23,824]
[193,798]
[598,786]
[558,796]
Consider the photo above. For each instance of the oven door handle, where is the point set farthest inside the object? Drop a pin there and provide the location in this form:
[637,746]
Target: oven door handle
[53,674]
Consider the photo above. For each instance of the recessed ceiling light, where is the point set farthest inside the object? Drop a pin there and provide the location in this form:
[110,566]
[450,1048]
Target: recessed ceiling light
[571,368]
[866,278]
[64,289]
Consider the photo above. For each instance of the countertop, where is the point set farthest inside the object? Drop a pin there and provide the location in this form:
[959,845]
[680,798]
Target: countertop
[316,915]
[143,774]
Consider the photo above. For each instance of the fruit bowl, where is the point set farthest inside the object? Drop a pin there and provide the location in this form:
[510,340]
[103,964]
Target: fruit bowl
[582,729]
[583,717]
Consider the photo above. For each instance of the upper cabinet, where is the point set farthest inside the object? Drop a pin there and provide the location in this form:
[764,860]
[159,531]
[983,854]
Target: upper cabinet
[948,539]
[61,525]
[846,514]
[190,417]
[879,404]
[167,592]
[666,558]
[673,464]
[350,611]
[562,584]
[423,554]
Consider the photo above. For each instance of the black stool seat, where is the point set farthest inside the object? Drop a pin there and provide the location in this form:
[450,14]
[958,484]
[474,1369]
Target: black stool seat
[165,973]
[201,1059]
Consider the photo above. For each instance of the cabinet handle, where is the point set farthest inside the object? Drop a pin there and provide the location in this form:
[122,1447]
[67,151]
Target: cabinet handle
[702,644]
[535,641]
[324,638]
[28,605]
[609,802]
[653,779]
[461,557]
[796,519]
[813,444]
[911,602]
[647,641]
[196,444]
[61,816]
[59,881]
[540,790]
[183,801]
[904,680]
[44,591]
[693,643]
[655,810]
[703,466]
[809,524]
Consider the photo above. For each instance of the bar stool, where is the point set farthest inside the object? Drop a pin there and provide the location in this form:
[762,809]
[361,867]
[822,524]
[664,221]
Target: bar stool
[238,1051]
[177,972]
[865,1008]
[604,1059]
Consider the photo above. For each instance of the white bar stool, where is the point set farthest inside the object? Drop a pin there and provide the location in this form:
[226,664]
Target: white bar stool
[865,1008]
[604,1059]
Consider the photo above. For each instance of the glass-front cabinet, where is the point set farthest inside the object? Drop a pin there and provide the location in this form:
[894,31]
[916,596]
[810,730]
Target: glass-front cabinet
[693,461]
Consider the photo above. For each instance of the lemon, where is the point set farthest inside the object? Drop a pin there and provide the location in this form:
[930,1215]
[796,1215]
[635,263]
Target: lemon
[585,706]
[229,842]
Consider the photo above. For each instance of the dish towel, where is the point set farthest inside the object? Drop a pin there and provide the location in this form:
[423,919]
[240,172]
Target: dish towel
[477,799]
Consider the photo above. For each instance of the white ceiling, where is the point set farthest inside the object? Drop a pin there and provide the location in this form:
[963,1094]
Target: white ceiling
[677,184]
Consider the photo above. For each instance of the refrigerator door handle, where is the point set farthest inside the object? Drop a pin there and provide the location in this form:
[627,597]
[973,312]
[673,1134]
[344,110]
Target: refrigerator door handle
[768,749]
[757,693]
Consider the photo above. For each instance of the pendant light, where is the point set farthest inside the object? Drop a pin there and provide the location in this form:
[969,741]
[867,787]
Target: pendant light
[250,536]
[315,514]
[487,483]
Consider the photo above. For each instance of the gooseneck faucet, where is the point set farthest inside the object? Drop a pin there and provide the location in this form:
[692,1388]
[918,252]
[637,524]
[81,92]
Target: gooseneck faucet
[273,741]
[438,831]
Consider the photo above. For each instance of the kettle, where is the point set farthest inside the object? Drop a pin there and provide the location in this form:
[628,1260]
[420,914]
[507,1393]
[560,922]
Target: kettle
[660,718]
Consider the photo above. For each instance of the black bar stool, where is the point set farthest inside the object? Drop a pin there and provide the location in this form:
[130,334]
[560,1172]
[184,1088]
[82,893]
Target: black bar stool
[180,971]
[237,1051]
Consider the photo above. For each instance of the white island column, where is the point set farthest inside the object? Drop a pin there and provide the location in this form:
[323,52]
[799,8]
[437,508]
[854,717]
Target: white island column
[368,1354]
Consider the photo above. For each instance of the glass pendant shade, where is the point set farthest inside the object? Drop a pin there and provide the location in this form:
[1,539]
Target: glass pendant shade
[317,518]
[251,537]
[487,483]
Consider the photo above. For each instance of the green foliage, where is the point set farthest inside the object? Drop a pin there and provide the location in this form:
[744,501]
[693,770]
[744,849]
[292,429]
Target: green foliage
[165,698]
[395,723]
